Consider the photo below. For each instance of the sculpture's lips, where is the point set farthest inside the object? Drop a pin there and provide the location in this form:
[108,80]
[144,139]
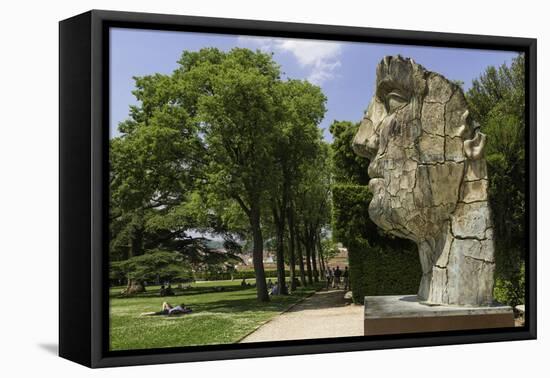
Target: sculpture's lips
[374,170]
[375,180]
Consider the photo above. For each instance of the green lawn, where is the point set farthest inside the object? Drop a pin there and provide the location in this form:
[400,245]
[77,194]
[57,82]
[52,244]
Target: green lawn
[218,316]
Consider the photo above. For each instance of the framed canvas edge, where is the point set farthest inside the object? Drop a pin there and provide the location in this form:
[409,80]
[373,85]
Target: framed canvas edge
[75,273]
[102,20]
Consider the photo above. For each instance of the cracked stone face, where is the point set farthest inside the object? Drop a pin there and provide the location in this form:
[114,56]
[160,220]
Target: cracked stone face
[429,179]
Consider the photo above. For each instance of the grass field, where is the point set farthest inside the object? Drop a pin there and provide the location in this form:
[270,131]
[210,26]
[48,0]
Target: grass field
[223,312]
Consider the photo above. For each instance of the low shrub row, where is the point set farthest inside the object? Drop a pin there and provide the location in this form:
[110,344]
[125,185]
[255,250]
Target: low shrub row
[237,275]
[379,264]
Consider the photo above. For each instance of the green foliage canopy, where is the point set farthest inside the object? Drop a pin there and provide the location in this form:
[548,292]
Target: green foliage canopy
[348,166]
[219,146]
[497,102]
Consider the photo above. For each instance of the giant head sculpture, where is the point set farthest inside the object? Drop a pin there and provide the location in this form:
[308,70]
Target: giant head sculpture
[428,177]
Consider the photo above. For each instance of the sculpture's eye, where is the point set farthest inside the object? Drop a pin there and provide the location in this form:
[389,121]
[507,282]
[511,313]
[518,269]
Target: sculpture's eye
[395,101]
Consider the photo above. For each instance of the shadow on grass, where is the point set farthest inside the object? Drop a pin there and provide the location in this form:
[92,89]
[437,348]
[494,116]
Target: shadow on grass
[242,305]
[179,292]
[235,305]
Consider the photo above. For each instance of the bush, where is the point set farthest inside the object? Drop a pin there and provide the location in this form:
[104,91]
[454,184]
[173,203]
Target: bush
[379,264]
[497,101]
[510,283]
[382,271]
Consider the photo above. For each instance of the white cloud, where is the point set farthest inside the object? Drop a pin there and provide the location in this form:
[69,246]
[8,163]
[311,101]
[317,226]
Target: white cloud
[264,44]
[321,58]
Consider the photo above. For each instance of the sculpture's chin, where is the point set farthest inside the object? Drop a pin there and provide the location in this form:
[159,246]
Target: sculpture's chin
[376,186]
[376,216]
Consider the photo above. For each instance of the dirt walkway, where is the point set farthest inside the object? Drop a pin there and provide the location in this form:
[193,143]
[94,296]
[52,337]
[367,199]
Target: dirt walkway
[324,314]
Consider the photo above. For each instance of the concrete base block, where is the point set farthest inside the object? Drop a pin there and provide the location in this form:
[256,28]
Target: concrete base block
[395,314]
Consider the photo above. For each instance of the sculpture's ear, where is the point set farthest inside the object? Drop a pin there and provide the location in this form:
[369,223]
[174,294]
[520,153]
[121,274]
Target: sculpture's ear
[474,148]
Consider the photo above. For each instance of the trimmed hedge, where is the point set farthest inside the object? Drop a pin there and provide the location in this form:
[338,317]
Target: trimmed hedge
[382,271]
[238,275]
[379,264]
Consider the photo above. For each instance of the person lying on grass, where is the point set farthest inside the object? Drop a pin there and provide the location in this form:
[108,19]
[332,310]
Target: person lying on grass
[168,309]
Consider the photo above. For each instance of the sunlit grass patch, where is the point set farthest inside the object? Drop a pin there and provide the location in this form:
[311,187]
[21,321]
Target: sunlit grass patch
[218,317]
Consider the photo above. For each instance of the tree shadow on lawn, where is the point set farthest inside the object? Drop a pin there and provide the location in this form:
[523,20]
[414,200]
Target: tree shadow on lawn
[229,306]
[321,300]
[276,304]
[237,303]
[179,292]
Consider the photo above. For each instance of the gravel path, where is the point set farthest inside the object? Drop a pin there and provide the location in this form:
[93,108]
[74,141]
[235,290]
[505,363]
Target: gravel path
[324,314]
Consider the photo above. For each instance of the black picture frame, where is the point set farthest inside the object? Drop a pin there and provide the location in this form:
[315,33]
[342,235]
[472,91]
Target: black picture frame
[83,195]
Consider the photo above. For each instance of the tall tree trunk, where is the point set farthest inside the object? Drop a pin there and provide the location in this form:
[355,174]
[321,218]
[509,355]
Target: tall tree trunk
[321,257]
[291,256]
[279,219]
[308,261]
[311,242]
[300,258]
[258,254]
[136,242]
[135,286]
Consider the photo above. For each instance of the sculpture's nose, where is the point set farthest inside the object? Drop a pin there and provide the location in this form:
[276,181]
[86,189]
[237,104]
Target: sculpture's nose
[365,142]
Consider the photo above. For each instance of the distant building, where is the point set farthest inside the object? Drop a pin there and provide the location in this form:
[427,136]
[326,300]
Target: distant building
[342,252]
[340,259]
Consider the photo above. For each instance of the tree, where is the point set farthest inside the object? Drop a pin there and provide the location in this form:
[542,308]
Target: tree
[238,109]
[298,142]
[312,207]
[348,167]
[155,266]
[157,168]
[152,166]
[220,140]
[497,103]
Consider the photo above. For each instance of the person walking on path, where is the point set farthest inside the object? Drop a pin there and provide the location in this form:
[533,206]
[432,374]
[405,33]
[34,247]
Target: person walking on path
[346,279]
[337,275]
[329,277]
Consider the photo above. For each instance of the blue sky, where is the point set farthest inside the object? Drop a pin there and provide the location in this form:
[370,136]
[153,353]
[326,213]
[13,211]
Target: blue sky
[344,70]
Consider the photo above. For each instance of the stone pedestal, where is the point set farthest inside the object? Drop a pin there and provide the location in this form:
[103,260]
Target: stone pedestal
[396,314]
